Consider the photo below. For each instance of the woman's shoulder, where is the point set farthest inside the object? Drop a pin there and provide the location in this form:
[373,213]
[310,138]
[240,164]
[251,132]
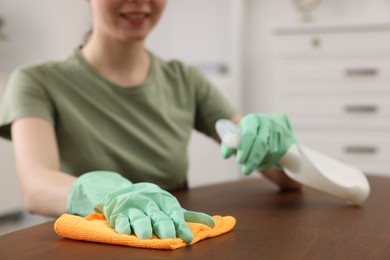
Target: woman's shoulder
[46,67]
[174,67]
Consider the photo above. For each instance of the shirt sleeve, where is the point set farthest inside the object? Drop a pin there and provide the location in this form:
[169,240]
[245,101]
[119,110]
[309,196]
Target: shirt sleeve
[211,105]
[25,96]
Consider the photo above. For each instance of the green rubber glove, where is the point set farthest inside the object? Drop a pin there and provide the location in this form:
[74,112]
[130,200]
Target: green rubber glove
[90,189]
[264,139]
[142,208]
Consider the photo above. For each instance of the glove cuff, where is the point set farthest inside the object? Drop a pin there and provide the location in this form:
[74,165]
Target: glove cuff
[90,188]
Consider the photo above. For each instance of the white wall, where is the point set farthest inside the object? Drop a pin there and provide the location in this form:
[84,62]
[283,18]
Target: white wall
[10,193]
[40,30]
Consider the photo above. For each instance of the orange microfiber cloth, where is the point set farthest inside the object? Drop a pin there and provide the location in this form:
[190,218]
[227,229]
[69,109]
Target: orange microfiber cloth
[95,228]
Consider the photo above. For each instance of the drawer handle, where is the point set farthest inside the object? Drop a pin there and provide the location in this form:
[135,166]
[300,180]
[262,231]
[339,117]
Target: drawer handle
[362,72]
[361,150]
[315,42]
[371,109]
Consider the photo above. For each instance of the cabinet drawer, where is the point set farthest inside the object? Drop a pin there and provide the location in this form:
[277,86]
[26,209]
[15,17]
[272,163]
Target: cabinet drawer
[373,168]
[337,112]
[352,69]
[368,147]
[345,41]
[353,75]
[345,105]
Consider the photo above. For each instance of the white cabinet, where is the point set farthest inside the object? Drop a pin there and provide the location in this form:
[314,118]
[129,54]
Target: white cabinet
[334,84]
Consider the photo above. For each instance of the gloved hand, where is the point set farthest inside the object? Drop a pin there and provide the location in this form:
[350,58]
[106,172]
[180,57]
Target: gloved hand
[264,139]
[142,208]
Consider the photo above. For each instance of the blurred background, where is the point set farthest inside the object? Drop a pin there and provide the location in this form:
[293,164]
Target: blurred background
[326,63]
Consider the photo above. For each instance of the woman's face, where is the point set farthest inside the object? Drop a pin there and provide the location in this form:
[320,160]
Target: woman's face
[126,20]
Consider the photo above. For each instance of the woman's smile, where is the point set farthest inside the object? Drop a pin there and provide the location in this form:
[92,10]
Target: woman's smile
[135,18]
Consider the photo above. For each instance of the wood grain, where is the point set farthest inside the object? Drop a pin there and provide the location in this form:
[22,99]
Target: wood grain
[270,225]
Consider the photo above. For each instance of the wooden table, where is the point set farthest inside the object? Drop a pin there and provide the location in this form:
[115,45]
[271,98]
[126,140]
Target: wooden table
[270,225]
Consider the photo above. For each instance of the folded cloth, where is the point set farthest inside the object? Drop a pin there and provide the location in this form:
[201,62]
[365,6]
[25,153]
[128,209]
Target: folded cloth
[95,228]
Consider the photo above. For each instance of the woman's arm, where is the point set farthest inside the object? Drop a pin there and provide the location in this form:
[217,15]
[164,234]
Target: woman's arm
[280,178]
[45,188]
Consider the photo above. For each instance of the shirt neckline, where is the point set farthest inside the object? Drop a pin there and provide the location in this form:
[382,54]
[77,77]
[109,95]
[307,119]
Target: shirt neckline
[147,84]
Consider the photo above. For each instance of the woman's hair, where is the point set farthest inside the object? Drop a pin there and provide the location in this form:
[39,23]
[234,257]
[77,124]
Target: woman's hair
[87,35]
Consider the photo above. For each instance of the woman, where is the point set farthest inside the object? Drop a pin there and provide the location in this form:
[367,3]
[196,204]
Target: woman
[113,107]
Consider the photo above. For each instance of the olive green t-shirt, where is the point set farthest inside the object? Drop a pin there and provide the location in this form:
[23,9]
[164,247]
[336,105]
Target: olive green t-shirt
[141,132]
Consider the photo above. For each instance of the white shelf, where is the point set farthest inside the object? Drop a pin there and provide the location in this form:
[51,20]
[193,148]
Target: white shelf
[331,28]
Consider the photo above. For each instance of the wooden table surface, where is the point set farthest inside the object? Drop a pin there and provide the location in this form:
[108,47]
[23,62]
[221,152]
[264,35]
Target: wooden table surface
[270,225]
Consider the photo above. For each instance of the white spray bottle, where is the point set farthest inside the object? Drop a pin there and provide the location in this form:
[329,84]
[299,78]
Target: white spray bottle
[311,168]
